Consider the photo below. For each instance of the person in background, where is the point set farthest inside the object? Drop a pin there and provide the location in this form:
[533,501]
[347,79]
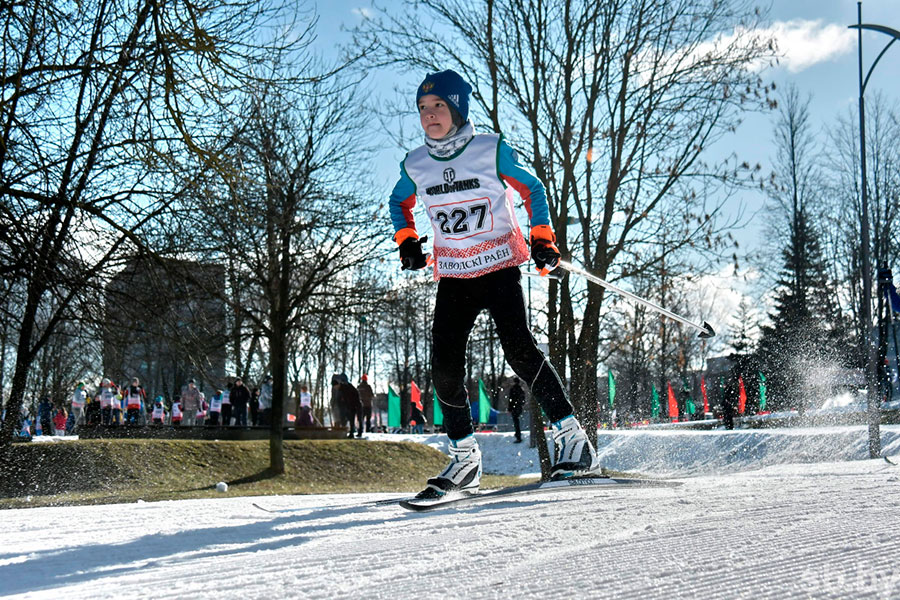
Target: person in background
[158,413]
[254,407]
[92,412]
[70,424]
[190,402]
[202,408]
[134,402]
[107,394]
[240,399]
[265,402]
[45,415]
[226,404]
[60,416]
[177,413]
[516,406]
[417,420]
[305,418]
[79,400]
[366,396]
[215,408]
[351,406]
[109,405]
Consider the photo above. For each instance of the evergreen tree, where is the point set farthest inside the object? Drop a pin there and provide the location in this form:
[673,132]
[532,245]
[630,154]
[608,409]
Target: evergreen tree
[804,334]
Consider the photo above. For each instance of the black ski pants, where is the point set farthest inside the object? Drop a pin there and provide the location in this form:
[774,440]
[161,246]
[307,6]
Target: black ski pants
[458,303]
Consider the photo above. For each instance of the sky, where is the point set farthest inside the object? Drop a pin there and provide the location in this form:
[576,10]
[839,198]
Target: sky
[819,57]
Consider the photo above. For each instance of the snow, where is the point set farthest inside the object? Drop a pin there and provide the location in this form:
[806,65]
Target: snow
[762,514]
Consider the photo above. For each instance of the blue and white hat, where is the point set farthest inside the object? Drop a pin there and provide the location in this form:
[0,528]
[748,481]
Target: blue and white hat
[450,86]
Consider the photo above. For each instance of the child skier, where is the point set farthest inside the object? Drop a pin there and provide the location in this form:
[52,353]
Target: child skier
[464,181]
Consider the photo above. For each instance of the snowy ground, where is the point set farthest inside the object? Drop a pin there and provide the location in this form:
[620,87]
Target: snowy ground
[762,514]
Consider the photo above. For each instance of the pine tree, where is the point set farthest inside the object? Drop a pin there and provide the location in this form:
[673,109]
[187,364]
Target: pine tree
[804,334]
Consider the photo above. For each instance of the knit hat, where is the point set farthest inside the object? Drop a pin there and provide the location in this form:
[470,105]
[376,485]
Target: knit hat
[450,86]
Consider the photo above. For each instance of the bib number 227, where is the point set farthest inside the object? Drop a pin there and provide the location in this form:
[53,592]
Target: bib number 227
[462,219]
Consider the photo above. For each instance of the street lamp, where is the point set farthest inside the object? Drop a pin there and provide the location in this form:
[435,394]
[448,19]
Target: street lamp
[872,395]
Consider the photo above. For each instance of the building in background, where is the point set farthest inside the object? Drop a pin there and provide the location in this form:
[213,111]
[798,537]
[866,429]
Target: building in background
[165,322]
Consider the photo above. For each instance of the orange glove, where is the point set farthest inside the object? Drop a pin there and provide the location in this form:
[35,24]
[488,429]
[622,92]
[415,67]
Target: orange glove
[544,252]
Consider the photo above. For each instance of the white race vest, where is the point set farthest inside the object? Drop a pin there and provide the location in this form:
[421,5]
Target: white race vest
[134,398]
[226,397]
[215,403]
[107,397]
[78,399]
[176,411]
[471,210]
[159,413]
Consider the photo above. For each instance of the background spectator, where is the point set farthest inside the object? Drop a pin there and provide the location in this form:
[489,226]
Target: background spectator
[240,400]
[417,420]
[254,407]
[215,409]
[134,402]
[305,418]
[349,402]
[265,402]
[516,406]
[190,402]
[45,415]
[158,413]
[60,416]
[177,413]
[79,400]
[366,397]
[226,404]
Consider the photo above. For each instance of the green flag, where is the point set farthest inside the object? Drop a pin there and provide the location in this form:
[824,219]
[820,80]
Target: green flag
[393,408]
[762,392]
[689,406]
[484,404]
[612,391]
[438,417]
[654,402]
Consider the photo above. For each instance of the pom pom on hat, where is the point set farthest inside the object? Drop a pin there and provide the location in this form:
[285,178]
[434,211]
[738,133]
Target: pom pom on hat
[450,86]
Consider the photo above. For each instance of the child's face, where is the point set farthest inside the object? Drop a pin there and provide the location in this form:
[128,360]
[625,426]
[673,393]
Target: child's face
[434,114]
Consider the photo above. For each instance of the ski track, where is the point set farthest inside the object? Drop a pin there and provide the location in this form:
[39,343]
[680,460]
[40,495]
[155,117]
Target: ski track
[824,531]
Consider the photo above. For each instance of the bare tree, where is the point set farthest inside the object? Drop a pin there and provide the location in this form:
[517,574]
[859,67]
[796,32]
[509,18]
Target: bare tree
[102,104]
[303,224]
[841,222]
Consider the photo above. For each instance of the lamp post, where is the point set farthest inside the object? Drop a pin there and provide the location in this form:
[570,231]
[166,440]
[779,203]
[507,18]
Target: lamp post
[872,395]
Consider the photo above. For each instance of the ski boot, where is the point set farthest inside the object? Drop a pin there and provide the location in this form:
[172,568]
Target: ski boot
[574,454]
[462,475]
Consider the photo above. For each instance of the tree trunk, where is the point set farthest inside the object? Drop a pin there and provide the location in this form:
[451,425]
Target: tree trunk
[24,358]
[584,366]
[279,379]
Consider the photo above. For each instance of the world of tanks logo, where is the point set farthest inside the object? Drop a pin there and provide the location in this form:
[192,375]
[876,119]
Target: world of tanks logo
[449,175]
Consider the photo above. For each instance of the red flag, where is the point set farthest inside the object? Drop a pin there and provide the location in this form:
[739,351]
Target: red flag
[673,404]
[416,396]
[705,399]
[742,396]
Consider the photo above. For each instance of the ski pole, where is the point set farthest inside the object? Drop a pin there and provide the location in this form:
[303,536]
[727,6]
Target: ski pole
[706,330]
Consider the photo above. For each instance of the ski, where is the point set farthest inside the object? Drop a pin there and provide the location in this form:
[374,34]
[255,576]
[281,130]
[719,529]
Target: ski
[456,500]
[383,502]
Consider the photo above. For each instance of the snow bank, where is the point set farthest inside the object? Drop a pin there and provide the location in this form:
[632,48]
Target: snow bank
[683,453]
